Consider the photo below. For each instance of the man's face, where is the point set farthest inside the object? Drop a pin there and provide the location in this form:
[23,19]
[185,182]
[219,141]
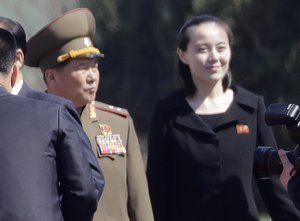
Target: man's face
[78,81]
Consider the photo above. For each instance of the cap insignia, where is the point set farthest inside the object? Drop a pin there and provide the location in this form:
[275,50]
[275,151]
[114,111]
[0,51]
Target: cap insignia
[87,42]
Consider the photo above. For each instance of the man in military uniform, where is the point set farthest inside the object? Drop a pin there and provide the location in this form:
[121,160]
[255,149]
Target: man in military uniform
[45,174]
[64,52]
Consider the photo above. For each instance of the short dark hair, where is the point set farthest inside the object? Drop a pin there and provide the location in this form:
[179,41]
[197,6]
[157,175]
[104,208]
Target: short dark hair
[16,30]
[8,47]
[182,42]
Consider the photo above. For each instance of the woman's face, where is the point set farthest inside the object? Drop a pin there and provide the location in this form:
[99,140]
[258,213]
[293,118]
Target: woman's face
[208,53]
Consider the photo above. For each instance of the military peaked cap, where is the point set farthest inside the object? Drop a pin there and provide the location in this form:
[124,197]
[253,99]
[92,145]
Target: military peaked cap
[69,36]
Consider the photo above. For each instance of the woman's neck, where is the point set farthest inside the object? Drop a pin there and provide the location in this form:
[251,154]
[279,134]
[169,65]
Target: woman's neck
[211,99]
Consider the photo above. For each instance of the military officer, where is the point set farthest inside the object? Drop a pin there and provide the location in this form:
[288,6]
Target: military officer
[63,50]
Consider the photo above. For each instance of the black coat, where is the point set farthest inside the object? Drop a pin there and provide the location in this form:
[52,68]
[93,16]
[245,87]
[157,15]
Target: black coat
[41,148]
[294,189]
[198,173]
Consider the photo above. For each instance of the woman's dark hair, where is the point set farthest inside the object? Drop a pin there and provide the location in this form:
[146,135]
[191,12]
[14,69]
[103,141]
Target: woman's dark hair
[8,49]
[182,42]
[16,30]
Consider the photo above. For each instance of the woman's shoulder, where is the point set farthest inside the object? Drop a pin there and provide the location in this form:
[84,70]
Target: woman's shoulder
[245,93]
[246,97]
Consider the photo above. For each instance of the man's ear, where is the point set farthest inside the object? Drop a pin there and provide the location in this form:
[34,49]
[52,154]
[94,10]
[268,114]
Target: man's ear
[19,58]
[181,54]
[14,75]
[50,77]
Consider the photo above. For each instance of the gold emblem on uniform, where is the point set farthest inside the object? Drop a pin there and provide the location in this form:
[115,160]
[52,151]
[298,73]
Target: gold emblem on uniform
[109,143]
[92,110]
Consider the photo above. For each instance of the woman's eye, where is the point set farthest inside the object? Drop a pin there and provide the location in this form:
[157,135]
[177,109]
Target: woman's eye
[222,48]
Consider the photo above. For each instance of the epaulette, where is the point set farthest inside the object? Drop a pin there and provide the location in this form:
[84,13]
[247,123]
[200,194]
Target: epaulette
[112,109]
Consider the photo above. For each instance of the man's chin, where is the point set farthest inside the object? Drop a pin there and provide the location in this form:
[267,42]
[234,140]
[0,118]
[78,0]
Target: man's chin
[90,99]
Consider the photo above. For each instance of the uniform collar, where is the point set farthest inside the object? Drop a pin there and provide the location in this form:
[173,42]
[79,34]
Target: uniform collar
[89,113]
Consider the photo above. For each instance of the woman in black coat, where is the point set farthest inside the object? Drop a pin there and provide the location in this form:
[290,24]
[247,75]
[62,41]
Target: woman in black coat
[202,138]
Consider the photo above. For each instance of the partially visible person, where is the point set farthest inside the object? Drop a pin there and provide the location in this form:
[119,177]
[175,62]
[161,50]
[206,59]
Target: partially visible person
[288,168]
[69,63]
[290,178]
[203,136]
[18,32]
[23,89]
[44,172]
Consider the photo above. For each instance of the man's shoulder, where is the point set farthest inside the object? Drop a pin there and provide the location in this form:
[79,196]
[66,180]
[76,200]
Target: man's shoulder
[111,109]
[50,98]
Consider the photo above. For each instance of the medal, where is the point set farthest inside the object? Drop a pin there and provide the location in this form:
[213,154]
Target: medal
[109,143]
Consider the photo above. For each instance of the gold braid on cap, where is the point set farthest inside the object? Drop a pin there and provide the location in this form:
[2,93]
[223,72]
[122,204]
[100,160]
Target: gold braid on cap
[78,53]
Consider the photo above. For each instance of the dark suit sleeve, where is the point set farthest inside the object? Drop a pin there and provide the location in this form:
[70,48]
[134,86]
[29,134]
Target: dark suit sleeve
[158,165]
[294,190]
[73,119]
[93,162]
[275,197]
[79,191]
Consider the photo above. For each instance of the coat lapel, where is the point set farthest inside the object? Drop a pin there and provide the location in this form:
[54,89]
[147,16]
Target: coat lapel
[193,122]
[242,105]
[188,118]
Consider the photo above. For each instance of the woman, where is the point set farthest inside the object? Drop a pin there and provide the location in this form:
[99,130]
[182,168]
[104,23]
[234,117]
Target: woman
[202,138]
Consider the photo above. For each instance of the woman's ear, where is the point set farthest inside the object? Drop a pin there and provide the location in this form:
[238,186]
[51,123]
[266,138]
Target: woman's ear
[181,55]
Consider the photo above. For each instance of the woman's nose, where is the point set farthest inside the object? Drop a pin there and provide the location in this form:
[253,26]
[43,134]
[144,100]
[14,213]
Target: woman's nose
[213,55]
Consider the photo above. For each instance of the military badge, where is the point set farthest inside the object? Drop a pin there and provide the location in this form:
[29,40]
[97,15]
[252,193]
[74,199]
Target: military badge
[87,42]
[109,143]
[242,129]
[92,110]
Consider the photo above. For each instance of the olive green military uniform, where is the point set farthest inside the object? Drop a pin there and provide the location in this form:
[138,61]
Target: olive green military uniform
[125,196]
[110,130]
